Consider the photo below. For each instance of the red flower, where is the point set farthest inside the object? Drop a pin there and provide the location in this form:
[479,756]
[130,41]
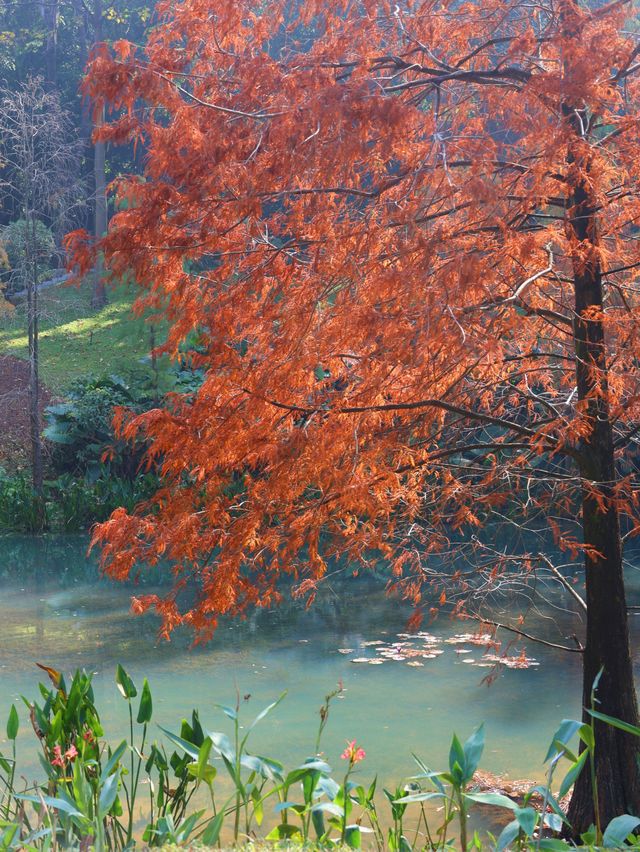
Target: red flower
[353,753]
[88,736]
[71,753]
[57,756]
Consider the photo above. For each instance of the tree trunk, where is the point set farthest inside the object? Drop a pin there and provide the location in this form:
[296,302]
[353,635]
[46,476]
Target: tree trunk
[99,296]
[50,10]
[35,425]
[607,639]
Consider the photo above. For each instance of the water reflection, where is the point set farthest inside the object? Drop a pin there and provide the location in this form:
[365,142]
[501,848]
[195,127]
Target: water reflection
[56,609]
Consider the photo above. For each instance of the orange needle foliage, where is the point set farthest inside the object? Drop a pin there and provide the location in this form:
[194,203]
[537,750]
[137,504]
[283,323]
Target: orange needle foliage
[404,239]
[360,209]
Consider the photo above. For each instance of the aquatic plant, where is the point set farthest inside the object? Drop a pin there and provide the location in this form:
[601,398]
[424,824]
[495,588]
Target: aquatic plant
[88,796]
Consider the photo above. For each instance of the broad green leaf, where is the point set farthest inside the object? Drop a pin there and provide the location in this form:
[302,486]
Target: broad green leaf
[572,774]
[192,750]
[125,684]
[284,831]
[473,749]
[527,819]
[108,794]
[228,711]
[496,799]
[618,830]
[145,710]
[353,837]
[508,835]
[567,730]
[13,723]
[212,831]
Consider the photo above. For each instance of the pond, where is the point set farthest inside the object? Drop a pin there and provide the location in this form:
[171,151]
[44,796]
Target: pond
[57,610]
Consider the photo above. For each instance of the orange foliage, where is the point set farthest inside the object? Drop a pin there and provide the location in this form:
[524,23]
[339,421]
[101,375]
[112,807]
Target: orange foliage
[362,211]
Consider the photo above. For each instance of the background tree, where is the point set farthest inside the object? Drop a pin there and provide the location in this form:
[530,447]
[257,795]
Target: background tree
[54,39]
[405,238]
[39,178]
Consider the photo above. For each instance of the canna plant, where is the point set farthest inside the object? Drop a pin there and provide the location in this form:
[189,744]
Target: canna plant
[88,795]
[405,237]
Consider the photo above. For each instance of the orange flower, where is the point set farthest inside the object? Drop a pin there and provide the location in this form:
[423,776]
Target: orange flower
[353,753]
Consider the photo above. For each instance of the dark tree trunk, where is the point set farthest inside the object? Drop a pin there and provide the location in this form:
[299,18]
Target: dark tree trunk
[99,296]
[607,639]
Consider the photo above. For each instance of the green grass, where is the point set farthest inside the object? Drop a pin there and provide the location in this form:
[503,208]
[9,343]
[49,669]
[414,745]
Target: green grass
[75,339]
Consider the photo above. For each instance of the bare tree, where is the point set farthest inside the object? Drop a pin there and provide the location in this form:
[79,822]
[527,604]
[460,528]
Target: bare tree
[40,163]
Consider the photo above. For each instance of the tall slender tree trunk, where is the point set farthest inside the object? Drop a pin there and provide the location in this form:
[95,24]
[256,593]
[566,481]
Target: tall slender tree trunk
[51,15]
[607,640]
[99,296]
[35,425]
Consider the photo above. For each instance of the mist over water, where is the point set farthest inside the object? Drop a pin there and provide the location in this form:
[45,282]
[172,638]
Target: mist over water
[57,610]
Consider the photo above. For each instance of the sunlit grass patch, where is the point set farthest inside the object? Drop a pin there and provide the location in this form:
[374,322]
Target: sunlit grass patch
[75,339]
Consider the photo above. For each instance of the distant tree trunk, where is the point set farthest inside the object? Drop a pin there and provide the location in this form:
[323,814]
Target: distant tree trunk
[51,15]
[607,635]
[99,297]
[35,424]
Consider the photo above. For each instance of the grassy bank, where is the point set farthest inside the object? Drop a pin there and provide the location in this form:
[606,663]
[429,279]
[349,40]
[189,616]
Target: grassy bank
[75,339]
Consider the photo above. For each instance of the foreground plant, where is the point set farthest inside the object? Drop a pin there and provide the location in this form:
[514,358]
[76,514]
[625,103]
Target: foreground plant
[89,795]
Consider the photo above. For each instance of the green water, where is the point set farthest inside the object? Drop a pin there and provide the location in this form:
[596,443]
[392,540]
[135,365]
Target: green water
[55,609]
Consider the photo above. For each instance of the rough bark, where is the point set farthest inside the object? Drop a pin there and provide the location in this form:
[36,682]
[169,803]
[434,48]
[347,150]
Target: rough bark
[607,637]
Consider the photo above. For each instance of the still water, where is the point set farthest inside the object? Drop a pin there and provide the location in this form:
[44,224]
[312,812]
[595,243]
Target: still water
[57,610]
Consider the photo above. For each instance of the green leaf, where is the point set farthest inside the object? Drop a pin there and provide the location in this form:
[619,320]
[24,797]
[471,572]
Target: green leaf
[572,774]
[187,826]
[13,723]
[51,802]
[201,770]
[456,758]
[145,710]
[496,799]
[527,819]
[284,831]
[267,710]
[473,749]
[222,744]
[108,794]
[615,723]
[113,760]
[508,835]
[618,830]
[566,732]
[418,797]
[353,837]
[212,831]
[125,684]
[328,808]
[189,748]
[552,844]
[586,735]
[228,711]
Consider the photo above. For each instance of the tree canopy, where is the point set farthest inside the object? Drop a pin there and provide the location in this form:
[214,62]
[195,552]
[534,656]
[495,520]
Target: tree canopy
[404,239]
